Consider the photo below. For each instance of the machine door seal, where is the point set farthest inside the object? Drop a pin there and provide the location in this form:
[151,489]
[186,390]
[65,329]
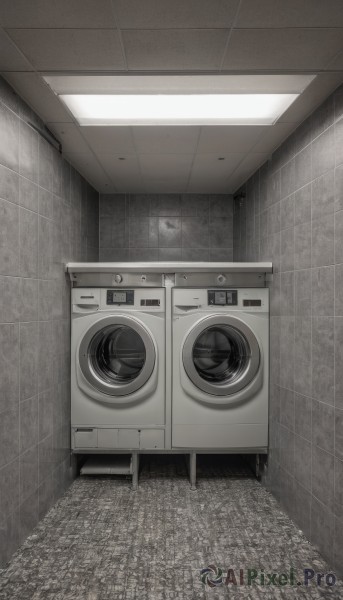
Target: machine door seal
[117,355]
[221,355]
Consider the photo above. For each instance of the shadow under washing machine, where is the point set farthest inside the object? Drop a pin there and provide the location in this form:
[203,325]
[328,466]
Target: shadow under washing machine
[117,369]
[220,369]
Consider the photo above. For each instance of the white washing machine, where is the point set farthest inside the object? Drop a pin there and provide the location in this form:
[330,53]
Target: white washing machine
[118,369]
[220,369]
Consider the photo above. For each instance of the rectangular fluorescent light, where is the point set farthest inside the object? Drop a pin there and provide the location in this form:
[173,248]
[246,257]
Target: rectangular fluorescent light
[177,109]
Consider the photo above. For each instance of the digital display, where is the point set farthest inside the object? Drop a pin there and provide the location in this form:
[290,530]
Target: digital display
[118,296]
[252,303]
[219,298]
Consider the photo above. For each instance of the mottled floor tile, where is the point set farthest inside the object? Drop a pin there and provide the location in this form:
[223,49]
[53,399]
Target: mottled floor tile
[102,541]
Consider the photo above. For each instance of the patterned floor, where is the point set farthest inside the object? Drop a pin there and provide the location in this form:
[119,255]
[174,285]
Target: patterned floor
[102,541]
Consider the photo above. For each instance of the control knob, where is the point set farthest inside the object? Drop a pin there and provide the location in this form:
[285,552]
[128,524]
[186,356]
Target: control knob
[118,278]
[221,278]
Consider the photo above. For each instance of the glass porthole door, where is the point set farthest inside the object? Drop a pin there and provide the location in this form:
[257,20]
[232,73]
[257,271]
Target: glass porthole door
[117,355]
[221,355]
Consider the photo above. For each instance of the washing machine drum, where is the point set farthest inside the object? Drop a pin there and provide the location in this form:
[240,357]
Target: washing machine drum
[117,355]
[221,355]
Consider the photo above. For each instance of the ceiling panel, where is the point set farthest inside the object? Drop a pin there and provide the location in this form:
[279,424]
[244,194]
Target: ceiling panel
[70,137]
[10,58]
[163,14]
[156,165]
[247,167]
[272,137]
[167,140]
[279,49]
[39,96]
[91,171]
[49,13]
[223,140]
[70,49]
[174,49]
[117,169]
[110,140]
[290,13]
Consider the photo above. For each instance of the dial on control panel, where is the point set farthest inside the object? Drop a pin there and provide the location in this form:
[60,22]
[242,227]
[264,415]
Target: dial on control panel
[118,278]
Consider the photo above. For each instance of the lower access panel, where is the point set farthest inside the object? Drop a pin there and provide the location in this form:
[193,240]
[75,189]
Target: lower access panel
[220,436]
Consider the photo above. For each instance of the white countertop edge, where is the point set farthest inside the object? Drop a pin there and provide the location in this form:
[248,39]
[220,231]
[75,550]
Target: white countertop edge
[169,267]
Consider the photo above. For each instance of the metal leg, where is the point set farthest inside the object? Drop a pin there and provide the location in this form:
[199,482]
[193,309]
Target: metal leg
[193,470]
[257,466]
[135,470]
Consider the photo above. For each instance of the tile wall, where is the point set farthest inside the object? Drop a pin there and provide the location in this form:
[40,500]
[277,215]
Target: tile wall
[165,227]
[48,216]
[292,214]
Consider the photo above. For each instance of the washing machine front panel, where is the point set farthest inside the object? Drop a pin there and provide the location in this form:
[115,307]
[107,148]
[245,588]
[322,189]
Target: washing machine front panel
[221,355]
[117,355]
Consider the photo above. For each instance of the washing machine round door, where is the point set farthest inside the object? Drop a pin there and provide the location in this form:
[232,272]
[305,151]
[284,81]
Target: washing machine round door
[221,355]
[117,355]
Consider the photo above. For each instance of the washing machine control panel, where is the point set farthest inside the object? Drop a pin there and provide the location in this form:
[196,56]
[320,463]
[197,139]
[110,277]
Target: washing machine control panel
[120,297]
[222,297]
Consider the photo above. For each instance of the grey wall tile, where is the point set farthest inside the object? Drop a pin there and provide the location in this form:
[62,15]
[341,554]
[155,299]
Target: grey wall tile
[287,306]
[323,359]
[287,408]
[169,232]
[195,232]
[303,416]
[28,359]
[302,462]
[195,254]
[303,163]
[173,254]
[302,204]
[338,188]
[287,212]
[323,476]
[28,194]
[339,237]
[323,153]
[28,516]
[9,141]
[195,205]
[9,359]
[323,195]
[323,416]
[9,185]
[45,410]
[46,203]
[139,254]
[28,152]
[323,241]
[220,232]
[338,329]
[9,234]
[9,435]
[322,117]
[323,281]
[9,299]
[303,292]
[28,423]
[165,205]
[288,178]
[287,250]
[338,507]
[220,206]
[302,246]
[45,171]
[287,450]
[303,355]
[111,205]
[339,142]
[28,243]
[28,472]
[221,254]
[139,206]
[339,290]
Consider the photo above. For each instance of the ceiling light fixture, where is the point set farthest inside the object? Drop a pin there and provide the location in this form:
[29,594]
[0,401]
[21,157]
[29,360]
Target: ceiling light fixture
[178,99]
[178,109]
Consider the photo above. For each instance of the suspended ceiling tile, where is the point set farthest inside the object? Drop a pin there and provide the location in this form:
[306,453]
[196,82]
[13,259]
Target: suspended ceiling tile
[165,140]
[272,137]
[297,49]
[166,165]
[208,186]
[322,86]
[39,96]
[110,140]
[91,170]
[121,170]
[208,165]
[163,14]
[166,186]
[76,14]
[10,57]
[174,49]
[229,139]
[70,137]
[245,169]
[290,13]
[70,49]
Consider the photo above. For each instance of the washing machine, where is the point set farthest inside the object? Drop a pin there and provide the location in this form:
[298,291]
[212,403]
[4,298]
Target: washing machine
[220,369]
[118,369]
